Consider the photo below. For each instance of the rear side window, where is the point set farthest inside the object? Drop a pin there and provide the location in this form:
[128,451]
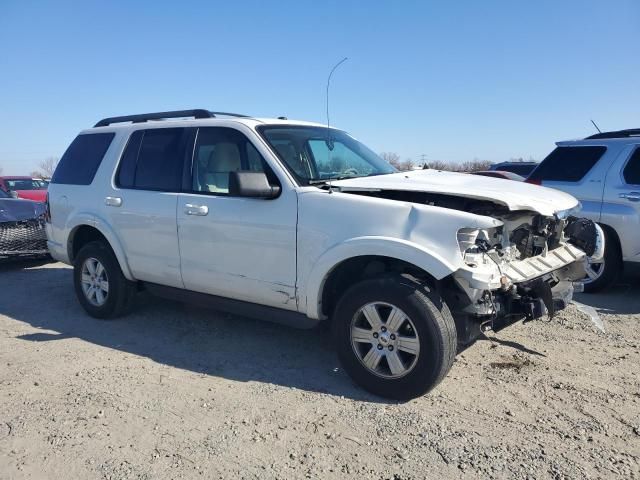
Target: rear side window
[153,160]
[568,164]
[631,172]
[80,162]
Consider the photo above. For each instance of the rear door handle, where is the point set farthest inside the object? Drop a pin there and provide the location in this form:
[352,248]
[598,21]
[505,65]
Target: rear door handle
[113,201]
[191,209]
[631,196]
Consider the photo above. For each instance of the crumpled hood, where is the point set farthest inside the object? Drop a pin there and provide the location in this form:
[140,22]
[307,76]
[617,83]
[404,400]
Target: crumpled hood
[15,210]
[514,195]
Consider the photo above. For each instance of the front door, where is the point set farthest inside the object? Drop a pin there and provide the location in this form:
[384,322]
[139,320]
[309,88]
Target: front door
[241,248]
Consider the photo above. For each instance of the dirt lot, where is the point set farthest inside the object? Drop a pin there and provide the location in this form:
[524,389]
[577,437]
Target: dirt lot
[177,392]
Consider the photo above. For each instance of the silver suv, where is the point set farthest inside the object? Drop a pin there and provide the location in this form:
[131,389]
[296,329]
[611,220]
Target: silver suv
[603,172]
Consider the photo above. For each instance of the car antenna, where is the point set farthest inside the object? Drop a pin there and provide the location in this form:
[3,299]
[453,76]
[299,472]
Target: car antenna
[597,128]
[329,141]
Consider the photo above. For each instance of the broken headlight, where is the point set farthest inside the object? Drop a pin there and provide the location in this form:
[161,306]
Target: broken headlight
[475,240]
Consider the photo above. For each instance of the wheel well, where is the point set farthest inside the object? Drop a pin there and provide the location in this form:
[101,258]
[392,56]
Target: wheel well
[613,235]
[355,269]
[83,235]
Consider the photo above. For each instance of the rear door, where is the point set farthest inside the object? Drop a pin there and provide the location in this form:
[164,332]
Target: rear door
[621,206]
[240,248]
[142,204]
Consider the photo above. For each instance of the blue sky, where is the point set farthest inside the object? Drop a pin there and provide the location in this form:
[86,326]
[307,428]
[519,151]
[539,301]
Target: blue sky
[452,80]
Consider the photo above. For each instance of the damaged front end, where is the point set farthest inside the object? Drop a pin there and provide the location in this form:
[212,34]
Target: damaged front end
[22,229]
[520,255]
[522,270]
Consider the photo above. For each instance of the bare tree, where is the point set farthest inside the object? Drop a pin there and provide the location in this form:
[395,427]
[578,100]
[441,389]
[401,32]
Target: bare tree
[46,168]
[391,157]
[406,165]
[474,165]
[36,174]
[468,166]
[439,165]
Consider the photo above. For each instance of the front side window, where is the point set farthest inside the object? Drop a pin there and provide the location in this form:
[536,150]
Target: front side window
[218,152]
[153,160]
[317,154]
[631,172]
[568,164]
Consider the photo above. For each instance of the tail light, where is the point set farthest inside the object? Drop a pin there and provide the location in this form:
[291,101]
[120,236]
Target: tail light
[47,209]
[534,181]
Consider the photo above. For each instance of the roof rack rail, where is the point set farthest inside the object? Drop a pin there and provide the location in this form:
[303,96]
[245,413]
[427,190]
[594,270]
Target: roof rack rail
[631,132]
[227,114]
[144,117]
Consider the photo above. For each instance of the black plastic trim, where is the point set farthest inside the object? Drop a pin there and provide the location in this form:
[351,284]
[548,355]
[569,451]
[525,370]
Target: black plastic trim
[631,132]
[197,113]
[143,117]
[236,307]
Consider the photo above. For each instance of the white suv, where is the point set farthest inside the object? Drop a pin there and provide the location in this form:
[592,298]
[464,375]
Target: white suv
[603,172]
[297,223]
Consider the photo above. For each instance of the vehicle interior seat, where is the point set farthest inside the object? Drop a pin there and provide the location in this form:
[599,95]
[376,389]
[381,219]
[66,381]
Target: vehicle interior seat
[225,158]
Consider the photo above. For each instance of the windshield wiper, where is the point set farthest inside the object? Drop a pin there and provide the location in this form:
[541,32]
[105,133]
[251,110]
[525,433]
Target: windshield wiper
[318,181]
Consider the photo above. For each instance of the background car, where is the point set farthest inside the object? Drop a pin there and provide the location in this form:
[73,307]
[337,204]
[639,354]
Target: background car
[22,228]
[521,168]
[500,174]
[603,172]
[24,187]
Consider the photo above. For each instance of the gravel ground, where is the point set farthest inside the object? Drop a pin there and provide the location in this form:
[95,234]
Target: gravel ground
[173,391]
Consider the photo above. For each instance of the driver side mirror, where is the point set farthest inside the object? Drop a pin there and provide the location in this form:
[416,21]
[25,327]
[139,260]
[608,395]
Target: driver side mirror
[252,185]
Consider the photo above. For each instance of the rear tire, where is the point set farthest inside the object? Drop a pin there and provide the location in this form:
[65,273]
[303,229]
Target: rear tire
[101,288]
[411,348]
[607,272]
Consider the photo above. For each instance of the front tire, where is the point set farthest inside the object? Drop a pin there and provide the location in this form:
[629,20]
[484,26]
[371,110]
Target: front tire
[101,287]
[395,337]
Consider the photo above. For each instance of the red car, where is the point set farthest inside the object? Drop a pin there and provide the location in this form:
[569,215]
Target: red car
[25,187]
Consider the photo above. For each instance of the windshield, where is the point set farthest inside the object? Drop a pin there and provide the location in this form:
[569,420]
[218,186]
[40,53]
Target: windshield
[316,154]
[24,184]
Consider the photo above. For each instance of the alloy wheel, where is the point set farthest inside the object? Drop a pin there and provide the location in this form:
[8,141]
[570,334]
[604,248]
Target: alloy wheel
[594,271]
[95,282]
[385,340]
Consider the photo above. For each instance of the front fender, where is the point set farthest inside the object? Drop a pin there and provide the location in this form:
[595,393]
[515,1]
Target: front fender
[108,233]
[400,249]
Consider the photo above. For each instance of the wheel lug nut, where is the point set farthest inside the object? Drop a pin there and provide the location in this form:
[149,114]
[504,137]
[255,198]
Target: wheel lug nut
[379,347]
[390,348]
[392,336]
[384,329]
[375,334]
